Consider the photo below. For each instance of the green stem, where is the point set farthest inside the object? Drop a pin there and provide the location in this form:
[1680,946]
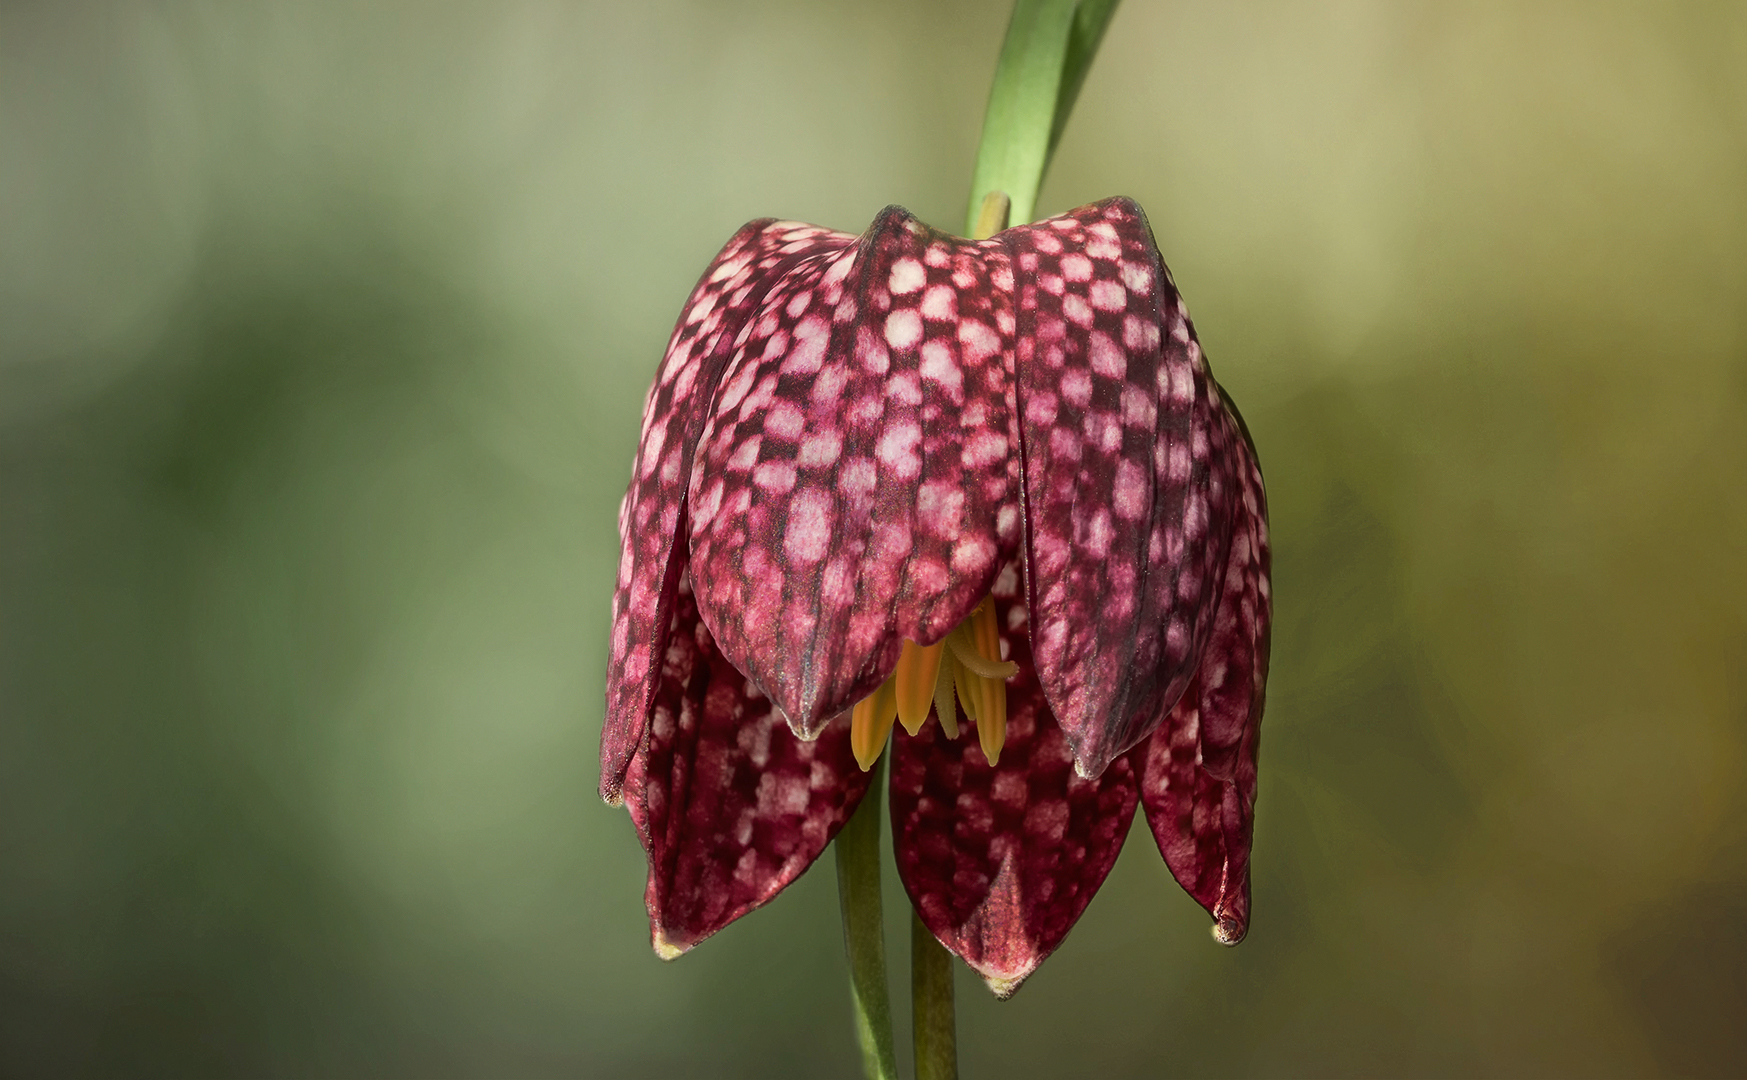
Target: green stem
[1044,59]
[858,891]
[931,1005]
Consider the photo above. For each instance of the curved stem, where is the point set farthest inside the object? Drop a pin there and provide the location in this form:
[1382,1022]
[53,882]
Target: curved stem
[858,892]
[931,1005]
[1048,50]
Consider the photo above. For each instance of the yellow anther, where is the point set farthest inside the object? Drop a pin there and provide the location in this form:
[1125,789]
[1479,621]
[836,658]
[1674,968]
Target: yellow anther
[992,705]
[871,722]
[986,634]
[992,728]
[918,672]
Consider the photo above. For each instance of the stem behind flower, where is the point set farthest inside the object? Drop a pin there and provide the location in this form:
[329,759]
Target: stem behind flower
[931,1005]
[858,892]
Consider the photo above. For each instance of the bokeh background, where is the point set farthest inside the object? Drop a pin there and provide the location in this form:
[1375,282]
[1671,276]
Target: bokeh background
[323,334]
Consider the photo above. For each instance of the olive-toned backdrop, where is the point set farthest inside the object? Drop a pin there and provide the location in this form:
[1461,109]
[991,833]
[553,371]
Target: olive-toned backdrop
[323,335]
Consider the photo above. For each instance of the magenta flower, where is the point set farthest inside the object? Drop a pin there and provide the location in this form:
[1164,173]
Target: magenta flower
[906,476]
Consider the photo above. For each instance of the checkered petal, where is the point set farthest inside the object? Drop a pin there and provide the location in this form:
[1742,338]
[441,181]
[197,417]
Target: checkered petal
[1198,772]
[730,806]
[1126,484]
[849,443]
[856,484]
[653,511]
[1000,862]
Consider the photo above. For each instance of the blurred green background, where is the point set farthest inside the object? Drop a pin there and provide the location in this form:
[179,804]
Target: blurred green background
[323,335]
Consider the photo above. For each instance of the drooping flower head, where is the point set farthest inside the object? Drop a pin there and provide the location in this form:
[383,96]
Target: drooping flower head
[906,476]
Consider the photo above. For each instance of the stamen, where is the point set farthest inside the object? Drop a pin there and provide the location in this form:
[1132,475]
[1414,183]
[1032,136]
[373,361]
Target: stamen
[918,672]
[992,729]
[943,697]
[870,723]
[992,709]
[965,665]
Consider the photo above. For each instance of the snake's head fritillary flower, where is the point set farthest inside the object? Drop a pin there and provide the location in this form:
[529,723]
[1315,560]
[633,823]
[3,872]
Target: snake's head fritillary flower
[905,476]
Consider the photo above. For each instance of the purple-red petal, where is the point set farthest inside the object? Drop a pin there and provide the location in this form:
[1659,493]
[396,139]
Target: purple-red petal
[729,804]
[1000,862]
[848,443]
[1125,483]
[1198,772]
[652,514]
[857,484]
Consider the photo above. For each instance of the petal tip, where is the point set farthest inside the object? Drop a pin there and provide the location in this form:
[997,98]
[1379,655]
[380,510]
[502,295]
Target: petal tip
[1086,770]
[666,949]
[1004,986]
[1229,931]
[804,731]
